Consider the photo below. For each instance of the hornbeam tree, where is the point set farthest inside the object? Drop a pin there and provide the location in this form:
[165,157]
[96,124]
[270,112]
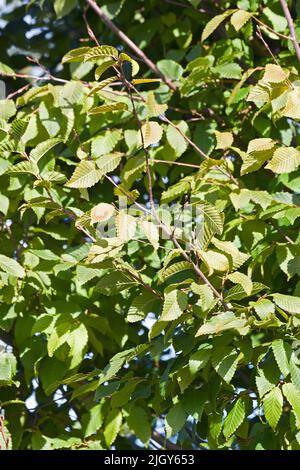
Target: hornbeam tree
[149,225]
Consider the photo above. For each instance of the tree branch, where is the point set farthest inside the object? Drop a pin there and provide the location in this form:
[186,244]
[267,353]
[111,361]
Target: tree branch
[289,19]
[130,43]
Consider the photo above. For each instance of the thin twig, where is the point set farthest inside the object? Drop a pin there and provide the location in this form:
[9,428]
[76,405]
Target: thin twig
[168,162]
[289,19]
[130,43]
[282,36]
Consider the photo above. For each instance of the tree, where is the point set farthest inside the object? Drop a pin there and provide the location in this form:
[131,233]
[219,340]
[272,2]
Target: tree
[149,266]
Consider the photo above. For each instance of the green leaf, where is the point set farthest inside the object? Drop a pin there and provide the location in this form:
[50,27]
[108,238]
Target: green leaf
[240,18]
[140,307]
[11,266]
[112,426]
[287,302]
[175,139]
[222,322]
[75,55]
[284,160]
[206,295]
[138,421]
[135,66]
[94,53]
[213,24]
[5,70]
[293,396]
[105,65]
[41,149]
[63,7]
[280,355]
[263,384]
[8,368]
[85,175]
[92,421]
[225,361]
[234,418]
[229,70]
[273,403]
[107,108]
[174,306]
[175,420]
[224,139]
[114,282]
[152,133]
[24,167]
[105,144]
[243,280]
[295,371]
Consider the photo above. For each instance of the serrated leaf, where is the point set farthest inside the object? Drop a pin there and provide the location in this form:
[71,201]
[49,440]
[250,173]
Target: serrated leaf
[104,144]
[213,24]
[293,396]
[103,84]
[295,371]
[24,167]
[108,163]
[234,418]
[85,175]
[108,108]
[222,322]
[228,70]
[240,18]
[174,306]
[11,266]
[224,139]
[41,149]
[112,426]
[281,356]
[263,384]
[243,280]
[140,307]
[114,282]
[141,81]
[287,302]
[135,66]
[225,361]
[105,65]
[292,107]
[273,403]
[274,74]
[75,55]
[206,295]
[214,261]
[284,160]
[94,53]
[174,268]
[152,133]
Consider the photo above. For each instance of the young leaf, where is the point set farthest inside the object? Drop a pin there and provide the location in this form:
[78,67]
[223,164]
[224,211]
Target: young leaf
[234,418]
[273,403]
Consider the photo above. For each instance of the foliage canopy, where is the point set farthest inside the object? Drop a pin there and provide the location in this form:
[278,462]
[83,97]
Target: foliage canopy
[144,326]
